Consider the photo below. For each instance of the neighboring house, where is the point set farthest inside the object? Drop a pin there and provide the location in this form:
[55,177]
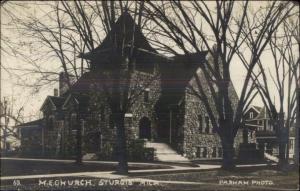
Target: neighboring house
[163,108]
[292,139]
[259,125]
[32,137]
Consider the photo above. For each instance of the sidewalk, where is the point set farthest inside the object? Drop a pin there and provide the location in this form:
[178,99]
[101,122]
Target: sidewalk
[85,161]
[110,174]
[173,168]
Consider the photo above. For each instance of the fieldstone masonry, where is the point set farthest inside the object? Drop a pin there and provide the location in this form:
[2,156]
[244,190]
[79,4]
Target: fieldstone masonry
[200,141]
[178,118]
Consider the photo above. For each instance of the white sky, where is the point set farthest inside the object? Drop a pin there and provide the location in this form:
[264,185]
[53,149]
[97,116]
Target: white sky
[23,96]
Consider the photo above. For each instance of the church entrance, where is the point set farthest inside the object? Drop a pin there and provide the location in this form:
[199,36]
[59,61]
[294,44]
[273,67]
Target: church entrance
[145,128]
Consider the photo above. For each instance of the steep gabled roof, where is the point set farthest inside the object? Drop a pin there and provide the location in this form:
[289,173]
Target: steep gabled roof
[56,102]
[123,32]
[263,114]
[176,74]
[181,68]
[256,108]
[190,58]
[88,81]
[81,99]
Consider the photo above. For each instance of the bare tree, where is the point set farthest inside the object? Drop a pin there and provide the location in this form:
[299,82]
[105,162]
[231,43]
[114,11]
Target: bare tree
[49,37]
[284,76]
[56,32]
[77,27]
[117,75]
[8,125]
[183,24]
[6,44]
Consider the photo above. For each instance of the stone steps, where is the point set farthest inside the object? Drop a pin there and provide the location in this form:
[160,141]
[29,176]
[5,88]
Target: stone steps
[163,152]
[89,156]
[271,157]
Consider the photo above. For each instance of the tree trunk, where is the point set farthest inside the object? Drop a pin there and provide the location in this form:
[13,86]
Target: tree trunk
[282,149]
[228,153]
[281,153]
[245,135]
[79,143]
[282,136]
[296,146]
[121,144]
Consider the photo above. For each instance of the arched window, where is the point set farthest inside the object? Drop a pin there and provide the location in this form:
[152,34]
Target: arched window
[220,152]
[206,124]
[146,96]
[201,152]
[204,152]
[214,153]
[200,125]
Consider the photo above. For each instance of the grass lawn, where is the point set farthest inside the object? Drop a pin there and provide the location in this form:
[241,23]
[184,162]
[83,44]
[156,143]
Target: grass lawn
[25,167]
[255,178]
[252,178]
[209,181]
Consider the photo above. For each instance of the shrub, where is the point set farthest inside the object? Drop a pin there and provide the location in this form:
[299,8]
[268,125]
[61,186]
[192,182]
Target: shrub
[136,151]
[149,154]
[107,152]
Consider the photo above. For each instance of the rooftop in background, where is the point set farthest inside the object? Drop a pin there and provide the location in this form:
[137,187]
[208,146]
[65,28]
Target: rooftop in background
[31,124]
[56,102]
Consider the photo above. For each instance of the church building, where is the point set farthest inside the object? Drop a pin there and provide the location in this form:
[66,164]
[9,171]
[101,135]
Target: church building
[162,108]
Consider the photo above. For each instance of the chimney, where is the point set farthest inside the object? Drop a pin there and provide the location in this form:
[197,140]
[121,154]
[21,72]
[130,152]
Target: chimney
[55,92]
[63,87]
[63,82]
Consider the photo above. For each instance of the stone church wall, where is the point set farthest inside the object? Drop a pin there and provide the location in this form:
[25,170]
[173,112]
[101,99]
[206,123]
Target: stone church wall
[199,142]
[144,105]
